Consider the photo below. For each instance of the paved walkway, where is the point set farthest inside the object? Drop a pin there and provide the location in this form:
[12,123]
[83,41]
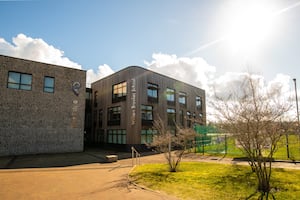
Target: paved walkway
[81,176]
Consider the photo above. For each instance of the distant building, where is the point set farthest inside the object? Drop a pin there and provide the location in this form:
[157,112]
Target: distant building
[42,107]
[125,104]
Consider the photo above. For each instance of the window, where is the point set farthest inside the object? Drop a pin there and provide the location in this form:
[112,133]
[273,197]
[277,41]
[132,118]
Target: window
[171,116]
[198,103]
[147,114]
[19,81]
[119,92]
[48,84]
[114,116]
[100,119]
[95,98]
[147,136]
[182,98]
[117,136]
[170,94]
[189,119]
[181,117]
[152,92]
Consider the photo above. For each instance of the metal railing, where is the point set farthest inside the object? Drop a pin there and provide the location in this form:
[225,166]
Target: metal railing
[135,156]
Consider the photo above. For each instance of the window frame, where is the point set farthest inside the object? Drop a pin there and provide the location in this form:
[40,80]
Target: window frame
[151,89]
[198,102]
[100,118]
[147,135]
[171,113]
[114,116]
[182,98]
[118,96]
[116,136]
[48,87]
[19,83]
[147,110]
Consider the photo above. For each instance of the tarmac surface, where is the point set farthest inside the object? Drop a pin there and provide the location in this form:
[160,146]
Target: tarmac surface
[85,175]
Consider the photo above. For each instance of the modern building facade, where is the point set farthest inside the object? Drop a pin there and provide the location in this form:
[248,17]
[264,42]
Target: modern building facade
[126,103]
[42,107]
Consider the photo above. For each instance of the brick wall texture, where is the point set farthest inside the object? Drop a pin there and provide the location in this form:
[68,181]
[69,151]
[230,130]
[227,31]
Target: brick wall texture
[34,121]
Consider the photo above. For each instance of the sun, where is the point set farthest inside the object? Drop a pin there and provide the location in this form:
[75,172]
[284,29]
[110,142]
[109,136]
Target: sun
[248,26]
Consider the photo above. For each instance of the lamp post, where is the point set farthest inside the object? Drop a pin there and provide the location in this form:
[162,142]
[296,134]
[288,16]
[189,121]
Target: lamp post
[296,101]
[297,105]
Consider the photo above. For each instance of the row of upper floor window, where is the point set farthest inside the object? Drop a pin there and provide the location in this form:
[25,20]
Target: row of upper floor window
[23,81]
[119,93]
[147,116]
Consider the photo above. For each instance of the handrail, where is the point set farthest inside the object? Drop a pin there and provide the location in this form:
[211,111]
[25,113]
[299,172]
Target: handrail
[135,156]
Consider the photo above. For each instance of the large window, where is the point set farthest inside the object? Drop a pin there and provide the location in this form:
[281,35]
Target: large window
[198,103]
[119,92]
[117,136]
[152,92]
[170,95]
[147,114]
[19,81]
[147,136]
[171,116]
[182,98]
[114,116]
[48,84]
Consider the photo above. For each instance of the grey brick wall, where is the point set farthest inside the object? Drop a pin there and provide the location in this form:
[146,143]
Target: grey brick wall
[33,121]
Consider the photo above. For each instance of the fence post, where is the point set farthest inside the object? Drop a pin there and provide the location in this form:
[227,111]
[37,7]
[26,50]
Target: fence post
[226,145]
[287,145]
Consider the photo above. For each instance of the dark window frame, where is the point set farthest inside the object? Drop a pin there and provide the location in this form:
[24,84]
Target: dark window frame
[152,89]
[100,118]
[189,119]
[198,102]
[171,116]
[170,96]
[116,136]
[147,135]
[146,111]
[95,98]
[19,83]
[49,89]
[116,96]
[182,99]
[114,116]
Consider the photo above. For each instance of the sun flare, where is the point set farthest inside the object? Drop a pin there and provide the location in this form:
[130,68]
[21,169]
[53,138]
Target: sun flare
[248,26]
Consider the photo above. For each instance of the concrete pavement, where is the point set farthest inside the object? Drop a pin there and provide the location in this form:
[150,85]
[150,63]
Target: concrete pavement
[83,175]
[71,176]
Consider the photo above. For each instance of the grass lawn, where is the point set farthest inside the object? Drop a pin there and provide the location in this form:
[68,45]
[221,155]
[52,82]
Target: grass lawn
[198,180]
[233,151]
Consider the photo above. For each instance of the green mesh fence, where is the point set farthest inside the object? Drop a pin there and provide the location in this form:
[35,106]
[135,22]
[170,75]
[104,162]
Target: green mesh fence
[210,141]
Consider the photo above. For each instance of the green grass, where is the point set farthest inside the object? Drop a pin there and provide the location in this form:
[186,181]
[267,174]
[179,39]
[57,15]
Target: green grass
[233,151]
[197,180]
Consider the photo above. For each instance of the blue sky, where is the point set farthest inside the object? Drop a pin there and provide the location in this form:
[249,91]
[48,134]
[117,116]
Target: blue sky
[209,38]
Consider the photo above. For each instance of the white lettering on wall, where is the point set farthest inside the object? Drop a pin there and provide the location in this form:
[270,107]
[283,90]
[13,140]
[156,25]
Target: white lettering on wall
[133,101]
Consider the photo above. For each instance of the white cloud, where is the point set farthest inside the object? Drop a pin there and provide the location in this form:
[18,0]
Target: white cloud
[103,71]
[35,49]
[195,71]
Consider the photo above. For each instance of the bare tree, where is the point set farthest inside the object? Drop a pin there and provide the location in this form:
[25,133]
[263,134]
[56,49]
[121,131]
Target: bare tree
[256,118]
[172,142]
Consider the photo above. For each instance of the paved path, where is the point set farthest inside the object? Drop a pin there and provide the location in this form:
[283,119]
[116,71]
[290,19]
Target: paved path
[81,176]
[103,181]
